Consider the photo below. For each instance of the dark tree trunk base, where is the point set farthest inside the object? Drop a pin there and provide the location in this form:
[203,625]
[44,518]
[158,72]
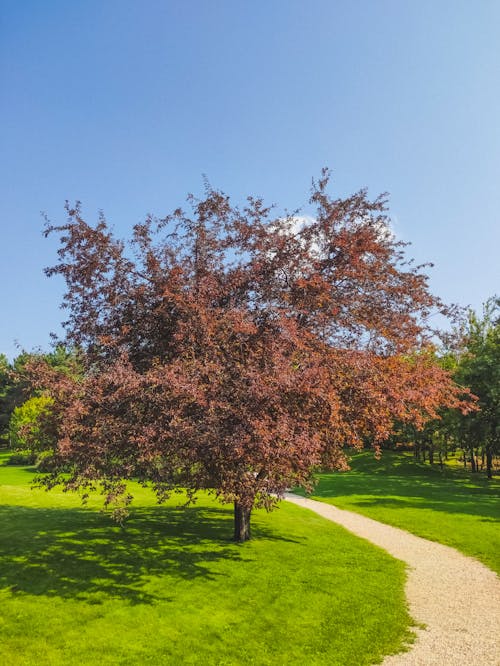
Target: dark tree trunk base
[241,523]
[473,465]
[489,464]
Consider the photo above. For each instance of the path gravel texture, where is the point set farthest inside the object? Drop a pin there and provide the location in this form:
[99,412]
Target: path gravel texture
[456,597]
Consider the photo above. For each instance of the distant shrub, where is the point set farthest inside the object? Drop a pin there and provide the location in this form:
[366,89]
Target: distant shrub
[22,458]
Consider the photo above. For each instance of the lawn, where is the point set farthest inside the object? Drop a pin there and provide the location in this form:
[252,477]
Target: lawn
[171,588]
[452,506]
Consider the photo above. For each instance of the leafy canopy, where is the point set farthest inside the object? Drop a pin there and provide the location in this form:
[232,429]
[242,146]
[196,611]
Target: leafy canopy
[236,350]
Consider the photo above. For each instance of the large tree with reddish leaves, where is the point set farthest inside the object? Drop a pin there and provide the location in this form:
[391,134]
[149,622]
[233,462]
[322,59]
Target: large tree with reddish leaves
[237,351]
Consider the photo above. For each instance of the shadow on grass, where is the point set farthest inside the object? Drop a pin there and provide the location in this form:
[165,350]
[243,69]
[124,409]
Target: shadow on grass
[400,482]
[451,506]
[79,554]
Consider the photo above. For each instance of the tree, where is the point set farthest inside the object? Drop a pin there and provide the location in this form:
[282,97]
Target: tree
[237,352]
[14,383]
[26,424]
[479,370]
[13,388]
[438,436]
[4,389]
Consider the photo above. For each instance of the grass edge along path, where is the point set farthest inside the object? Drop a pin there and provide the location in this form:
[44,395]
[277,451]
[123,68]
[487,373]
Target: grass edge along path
[452,507]
[172,588]
[456,597]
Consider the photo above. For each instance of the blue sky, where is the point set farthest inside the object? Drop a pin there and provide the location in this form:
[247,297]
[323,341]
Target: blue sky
[125,104]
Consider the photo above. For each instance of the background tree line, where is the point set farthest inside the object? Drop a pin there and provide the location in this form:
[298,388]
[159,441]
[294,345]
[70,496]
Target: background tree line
[22,408]
[473,358]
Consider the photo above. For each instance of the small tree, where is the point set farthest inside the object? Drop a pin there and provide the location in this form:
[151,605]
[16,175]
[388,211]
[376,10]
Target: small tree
[236,352]
[26,429]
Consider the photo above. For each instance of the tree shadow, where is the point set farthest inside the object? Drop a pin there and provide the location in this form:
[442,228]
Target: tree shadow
[81,554]
[486,513]
[402,483]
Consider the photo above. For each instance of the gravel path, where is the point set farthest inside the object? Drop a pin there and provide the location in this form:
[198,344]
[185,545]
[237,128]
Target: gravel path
[455,596]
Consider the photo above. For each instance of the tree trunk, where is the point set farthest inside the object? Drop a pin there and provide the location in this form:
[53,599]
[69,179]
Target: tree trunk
[472,459]
[241,522]
[489,463]
[431,454]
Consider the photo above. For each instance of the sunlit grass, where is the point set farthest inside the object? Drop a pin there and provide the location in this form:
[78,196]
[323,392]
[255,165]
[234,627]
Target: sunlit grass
[453,507]
[171,588]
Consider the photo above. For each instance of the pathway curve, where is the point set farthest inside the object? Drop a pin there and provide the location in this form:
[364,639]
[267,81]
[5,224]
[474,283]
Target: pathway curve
[455,596]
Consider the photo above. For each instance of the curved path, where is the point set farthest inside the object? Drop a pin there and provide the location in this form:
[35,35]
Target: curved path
[456,597]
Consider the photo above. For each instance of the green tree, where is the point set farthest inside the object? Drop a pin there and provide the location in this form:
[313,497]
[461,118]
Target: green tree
[479,369]
[26,429]
[15,388]
[5,383]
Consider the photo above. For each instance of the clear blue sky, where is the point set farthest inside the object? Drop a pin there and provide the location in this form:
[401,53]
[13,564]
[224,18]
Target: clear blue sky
[125,104]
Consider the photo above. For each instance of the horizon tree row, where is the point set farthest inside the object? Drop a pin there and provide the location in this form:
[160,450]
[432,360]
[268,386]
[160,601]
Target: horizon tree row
[474,361]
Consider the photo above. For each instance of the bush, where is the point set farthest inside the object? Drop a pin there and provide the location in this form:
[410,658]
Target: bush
[22,458]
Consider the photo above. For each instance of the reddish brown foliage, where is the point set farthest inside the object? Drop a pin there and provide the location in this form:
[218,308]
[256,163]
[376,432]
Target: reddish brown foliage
[236,352]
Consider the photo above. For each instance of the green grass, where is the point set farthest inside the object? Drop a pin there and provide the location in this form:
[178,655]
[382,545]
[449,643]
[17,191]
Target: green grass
[453,507]
[171,588]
